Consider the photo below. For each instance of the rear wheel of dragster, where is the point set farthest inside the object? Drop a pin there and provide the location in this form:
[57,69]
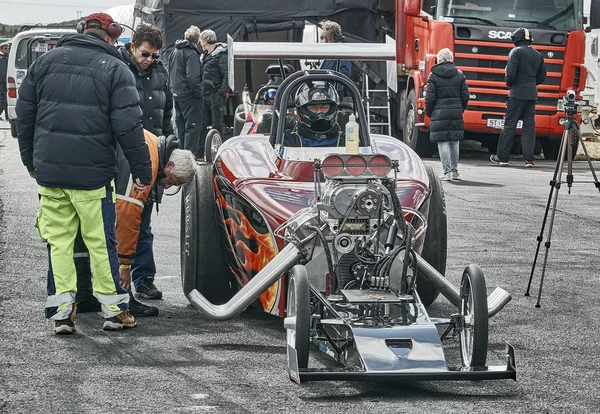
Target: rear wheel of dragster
[212,144]
[436,238]
[297,319]
[473,335]
[203,265]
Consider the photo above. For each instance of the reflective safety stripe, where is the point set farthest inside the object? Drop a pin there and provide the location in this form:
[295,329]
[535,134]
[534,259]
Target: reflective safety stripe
[66,300]
[113,304]
[78,255]
[130,199]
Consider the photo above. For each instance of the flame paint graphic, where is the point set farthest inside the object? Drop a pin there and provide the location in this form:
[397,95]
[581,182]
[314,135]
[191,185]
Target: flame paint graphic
[242,234]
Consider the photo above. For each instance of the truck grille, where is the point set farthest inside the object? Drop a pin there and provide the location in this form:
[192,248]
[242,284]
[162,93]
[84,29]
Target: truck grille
[474,57]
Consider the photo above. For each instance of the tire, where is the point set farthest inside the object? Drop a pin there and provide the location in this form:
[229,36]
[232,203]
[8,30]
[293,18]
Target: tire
[297,319]
[551,148]
[413,136]
[239,119]
[203,264]
[13,128]
[436,238]
[212,144]
[473,337]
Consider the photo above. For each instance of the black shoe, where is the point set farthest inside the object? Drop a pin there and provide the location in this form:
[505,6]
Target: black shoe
[66,326]
[137,308]
[147,290]
[88,304]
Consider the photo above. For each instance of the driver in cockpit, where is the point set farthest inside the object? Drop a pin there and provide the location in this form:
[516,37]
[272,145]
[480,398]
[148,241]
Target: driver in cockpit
[316,118]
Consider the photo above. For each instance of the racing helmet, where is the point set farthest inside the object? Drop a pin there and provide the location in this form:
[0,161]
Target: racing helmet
[270,94]
[314,94]
[521,35]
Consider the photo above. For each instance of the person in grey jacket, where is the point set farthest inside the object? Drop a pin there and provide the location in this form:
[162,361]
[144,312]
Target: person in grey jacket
[77,102]
[524,71]
[445,101]
[214,80]
[186,78]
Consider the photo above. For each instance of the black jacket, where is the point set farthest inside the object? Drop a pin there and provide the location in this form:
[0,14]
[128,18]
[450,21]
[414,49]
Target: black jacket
[76,102]
[185,71]
[445,101]
[3,68]
[524,71]
[214,70]
[156,98]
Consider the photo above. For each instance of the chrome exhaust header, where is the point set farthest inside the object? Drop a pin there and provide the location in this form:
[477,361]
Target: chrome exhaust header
[497,300]
[280,264]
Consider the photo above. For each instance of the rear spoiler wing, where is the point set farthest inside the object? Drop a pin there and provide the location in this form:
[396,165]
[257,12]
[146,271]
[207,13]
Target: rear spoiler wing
[293,50]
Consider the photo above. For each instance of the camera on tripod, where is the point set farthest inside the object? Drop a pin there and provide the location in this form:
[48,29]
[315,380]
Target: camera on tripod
[570,104]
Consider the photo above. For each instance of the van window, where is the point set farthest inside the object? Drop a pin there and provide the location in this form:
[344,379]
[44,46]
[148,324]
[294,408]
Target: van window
[31,49]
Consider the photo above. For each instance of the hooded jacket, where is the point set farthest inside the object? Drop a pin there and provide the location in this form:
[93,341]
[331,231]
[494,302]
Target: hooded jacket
[75,104]
[214,68]
[332,64]
[185,71]
[156,98]
[445,101]
[524,71]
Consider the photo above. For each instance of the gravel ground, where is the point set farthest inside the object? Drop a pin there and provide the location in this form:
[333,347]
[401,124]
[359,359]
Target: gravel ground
[183,362]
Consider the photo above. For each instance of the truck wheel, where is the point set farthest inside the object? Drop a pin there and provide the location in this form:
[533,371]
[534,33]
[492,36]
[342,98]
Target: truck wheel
[551,148]
[203,265]
[413,136]
[436,238]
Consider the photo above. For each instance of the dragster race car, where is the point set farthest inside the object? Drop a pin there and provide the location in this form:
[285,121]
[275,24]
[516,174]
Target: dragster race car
[348,248]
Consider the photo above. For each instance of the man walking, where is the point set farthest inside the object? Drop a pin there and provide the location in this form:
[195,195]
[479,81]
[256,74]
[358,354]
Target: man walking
[214,80]
[186,77]
[524,71]
[75,104]
[4,49]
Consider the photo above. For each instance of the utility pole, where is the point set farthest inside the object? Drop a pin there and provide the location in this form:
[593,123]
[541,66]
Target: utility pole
[79,12]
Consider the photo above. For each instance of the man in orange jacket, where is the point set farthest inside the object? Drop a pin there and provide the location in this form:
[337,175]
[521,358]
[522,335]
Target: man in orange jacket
[171,166]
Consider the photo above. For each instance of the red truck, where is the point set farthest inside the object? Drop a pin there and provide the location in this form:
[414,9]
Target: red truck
[479,34]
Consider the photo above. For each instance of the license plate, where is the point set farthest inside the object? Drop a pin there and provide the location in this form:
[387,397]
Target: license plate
[499,123]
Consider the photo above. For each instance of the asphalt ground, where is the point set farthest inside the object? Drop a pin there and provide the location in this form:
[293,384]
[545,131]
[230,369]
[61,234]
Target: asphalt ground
[182,362]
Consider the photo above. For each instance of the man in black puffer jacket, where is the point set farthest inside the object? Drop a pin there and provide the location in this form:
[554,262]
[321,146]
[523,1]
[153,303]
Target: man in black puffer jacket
[214,80]
[152,79]
[186,78]
[524,71]
[75,104]
[445,101]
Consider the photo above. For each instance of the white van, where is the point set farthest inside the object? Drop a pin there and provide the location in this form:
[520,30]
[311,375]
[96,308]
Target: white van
[26,47]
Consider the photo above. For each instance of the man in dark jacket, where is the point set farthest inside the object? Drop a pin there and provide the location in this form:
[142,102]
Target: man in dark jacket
[214,80]
[186,78]
[75,104]
[156,101]
[332,33]
[445,101]
[524,71]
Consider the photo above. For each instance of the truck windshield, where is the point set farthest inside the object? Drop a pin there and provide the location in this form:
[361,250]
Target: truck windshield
[532,14]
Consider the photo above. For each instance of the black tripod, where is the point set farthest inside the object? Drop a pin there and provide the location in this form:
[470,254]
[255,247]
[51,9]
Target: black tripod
[571,132]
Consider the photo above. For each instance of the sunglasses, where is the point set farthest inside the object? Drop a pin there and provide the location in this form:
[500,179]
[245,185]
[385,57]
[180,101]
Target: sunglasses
[148,54]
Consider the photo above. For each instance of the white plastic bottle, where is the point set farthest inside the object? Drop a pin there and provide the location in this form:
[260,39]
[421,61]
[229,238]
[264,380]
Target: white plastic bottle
[352,136]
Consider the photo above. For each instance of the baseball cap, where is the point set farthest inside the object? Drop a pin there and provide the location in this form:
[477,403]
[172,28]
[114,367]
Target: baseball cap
[104,19]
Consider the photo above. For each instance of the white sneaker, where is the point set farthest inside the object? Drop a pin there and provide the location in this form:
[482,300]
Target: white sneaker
[446,177]
[455,175]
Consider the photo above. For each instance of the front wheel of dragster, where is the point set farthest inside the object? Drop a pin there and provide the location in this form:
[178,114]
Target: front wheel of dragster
[297,319]
[211,145]
[473,335]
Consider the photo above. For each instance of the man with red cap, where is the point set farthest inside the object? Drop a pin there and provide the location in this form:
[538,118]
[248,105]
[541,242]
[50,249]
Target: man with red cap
[77,102]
